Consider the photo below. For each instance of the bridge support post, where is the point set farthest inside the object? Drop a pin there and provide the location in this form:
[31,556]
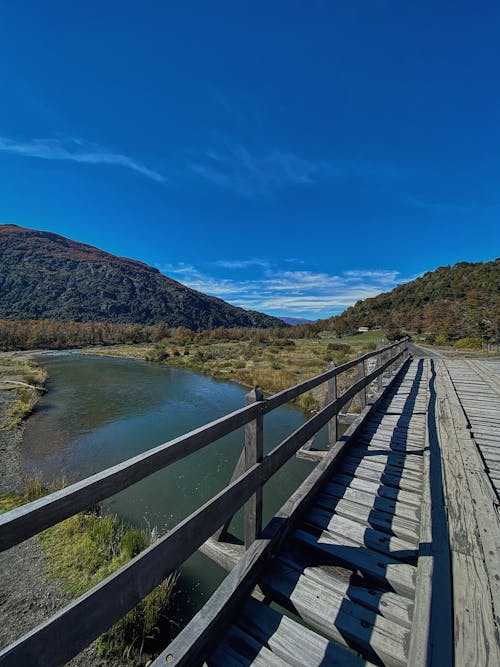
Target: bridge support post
[361,375]
[254,452]
[331,395]
[380,361]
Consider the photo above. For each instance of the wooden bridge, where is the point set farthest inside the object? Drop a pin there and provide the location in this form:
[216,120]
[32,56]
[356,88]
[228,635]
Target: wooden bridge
[387,554]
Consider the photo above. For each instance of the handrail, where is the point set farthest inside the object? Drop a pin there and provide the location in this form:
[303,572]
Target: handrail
[94,612]
[23,522]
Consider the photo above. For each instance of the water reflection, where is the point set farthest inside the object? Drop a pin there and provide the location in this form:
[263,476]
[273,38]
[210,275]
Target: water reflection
[99,411]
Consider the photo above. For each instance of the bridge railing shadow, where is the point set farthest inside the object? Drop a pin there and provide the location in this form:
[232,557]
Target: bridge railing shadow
[353,566]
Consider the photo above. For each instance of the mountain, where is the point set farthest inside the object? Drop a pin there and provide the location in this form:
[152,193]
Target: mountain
[295,320]
[451,302]
[47,276]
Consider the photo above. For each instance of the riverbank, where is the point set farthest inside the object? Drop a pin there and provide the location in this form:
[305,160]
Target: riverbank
[43,574]
[273,363]
[27,595]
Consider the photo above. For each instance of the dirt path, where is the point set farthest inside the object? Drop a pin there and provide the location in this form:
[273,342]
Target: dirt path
[27,597]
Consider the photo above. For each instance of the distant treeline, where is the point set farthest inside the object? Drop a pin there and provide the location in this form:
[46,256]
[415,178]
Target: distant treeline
[59,334]
[445,305]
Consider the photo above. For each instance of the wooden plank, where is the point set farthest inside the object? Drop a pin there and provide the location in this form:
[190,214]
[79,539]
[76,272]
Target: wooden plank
[23,522]
[117,594]
[431,640]
[238,648]
[342,529]
[338,618]
[226,553]
[194,641]
[394,525]
[378,489]
[368,499]
[379,476]
[389,605]
[390,573]
[254,452]
[476,635]
[294,643]
[409,463]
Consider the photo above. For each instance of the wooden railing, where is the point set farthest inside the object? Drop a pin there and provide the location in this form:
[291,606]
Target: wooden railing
[87,617]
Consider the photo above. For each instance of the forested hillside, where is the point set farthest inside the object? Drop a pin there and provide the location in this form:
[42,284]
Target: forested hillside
[46,276]
[447,304]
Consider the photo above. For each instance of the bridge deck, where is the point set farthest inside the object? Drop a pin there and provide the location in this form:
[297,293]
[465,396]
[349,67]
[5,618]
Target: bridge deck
[348,570]
[364,576]
[477,384]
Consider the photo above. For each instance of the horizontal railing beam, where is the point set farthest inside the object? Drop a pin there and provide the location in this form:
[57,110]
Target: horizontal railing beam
[23,522]
[93,613]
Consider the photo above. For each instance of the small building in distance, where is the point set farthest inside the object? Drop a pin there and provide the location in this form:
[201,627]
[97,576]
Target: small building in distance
[363,329]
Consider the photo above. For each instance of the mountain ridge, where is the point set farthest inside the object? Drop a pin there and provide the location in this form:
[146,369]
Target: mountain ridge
[48,276]
[450,302]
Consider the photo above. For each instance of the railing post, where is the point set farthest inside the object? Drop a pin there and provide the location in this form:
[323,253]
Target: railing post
[254,452]
[361,375]
[380,361]
[331,395]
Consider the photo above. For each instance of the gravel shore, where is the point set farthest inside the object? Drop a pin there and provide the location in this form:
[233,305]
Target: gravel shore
[27,596]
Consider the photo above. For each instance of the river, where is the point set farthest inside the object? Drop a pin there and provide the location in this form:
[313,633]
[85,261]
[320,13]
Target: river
[99,411]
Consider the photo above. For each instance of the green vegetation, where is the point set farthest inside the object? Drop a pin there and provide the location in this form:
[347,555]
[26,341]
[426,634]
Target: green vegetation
[269,359]
[468,343]
[85,549]
[25,378]
[446,305]
[46,276]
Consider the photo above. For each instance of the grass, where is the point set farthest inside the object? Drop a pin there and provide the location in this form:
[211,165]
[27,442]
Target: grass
[85,549]
[20,369]
[272,365]
[128,351]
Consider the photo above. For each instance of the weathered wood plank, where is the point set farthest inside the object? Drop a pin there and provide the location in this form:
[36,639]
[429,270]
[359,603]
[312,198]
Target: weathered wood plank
[476,635]
[390,573]
[341,528]
[254,452]
[194,641]
[389,605]
[294,643]
[378,489]
[240,649]
[336,617]
[23,522]
[368,499]
[474,594]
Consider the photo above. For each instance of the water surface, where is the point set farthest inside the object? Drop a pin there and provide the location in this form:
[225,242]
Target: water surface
[100,410]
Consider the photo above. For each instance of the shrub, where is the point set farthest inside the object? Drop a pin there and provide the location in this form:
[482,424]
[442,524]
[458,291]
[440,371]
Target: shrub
[338,347]
[308,402]
[469,343]
[21,408]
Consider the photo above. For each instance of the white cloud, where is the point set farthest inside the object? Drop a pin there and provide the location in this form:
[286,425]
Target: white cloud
[241,263]
[234,166]
[75,150]
[278,292]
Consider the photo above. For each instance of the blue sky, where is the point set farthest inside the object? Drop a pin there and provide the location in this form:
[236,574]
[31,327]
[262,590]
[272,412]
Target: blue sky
[291,157]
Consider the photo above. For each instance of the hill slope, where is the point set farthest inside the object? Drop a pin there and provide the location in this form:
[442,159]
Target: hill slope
[451,302]
[47,276]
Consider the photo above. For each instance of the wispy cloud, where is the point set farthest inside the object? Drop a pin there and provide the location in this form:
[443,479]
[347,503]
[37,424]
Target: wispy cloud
[75,150]
[306,293]
[249,173]
[241,263]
